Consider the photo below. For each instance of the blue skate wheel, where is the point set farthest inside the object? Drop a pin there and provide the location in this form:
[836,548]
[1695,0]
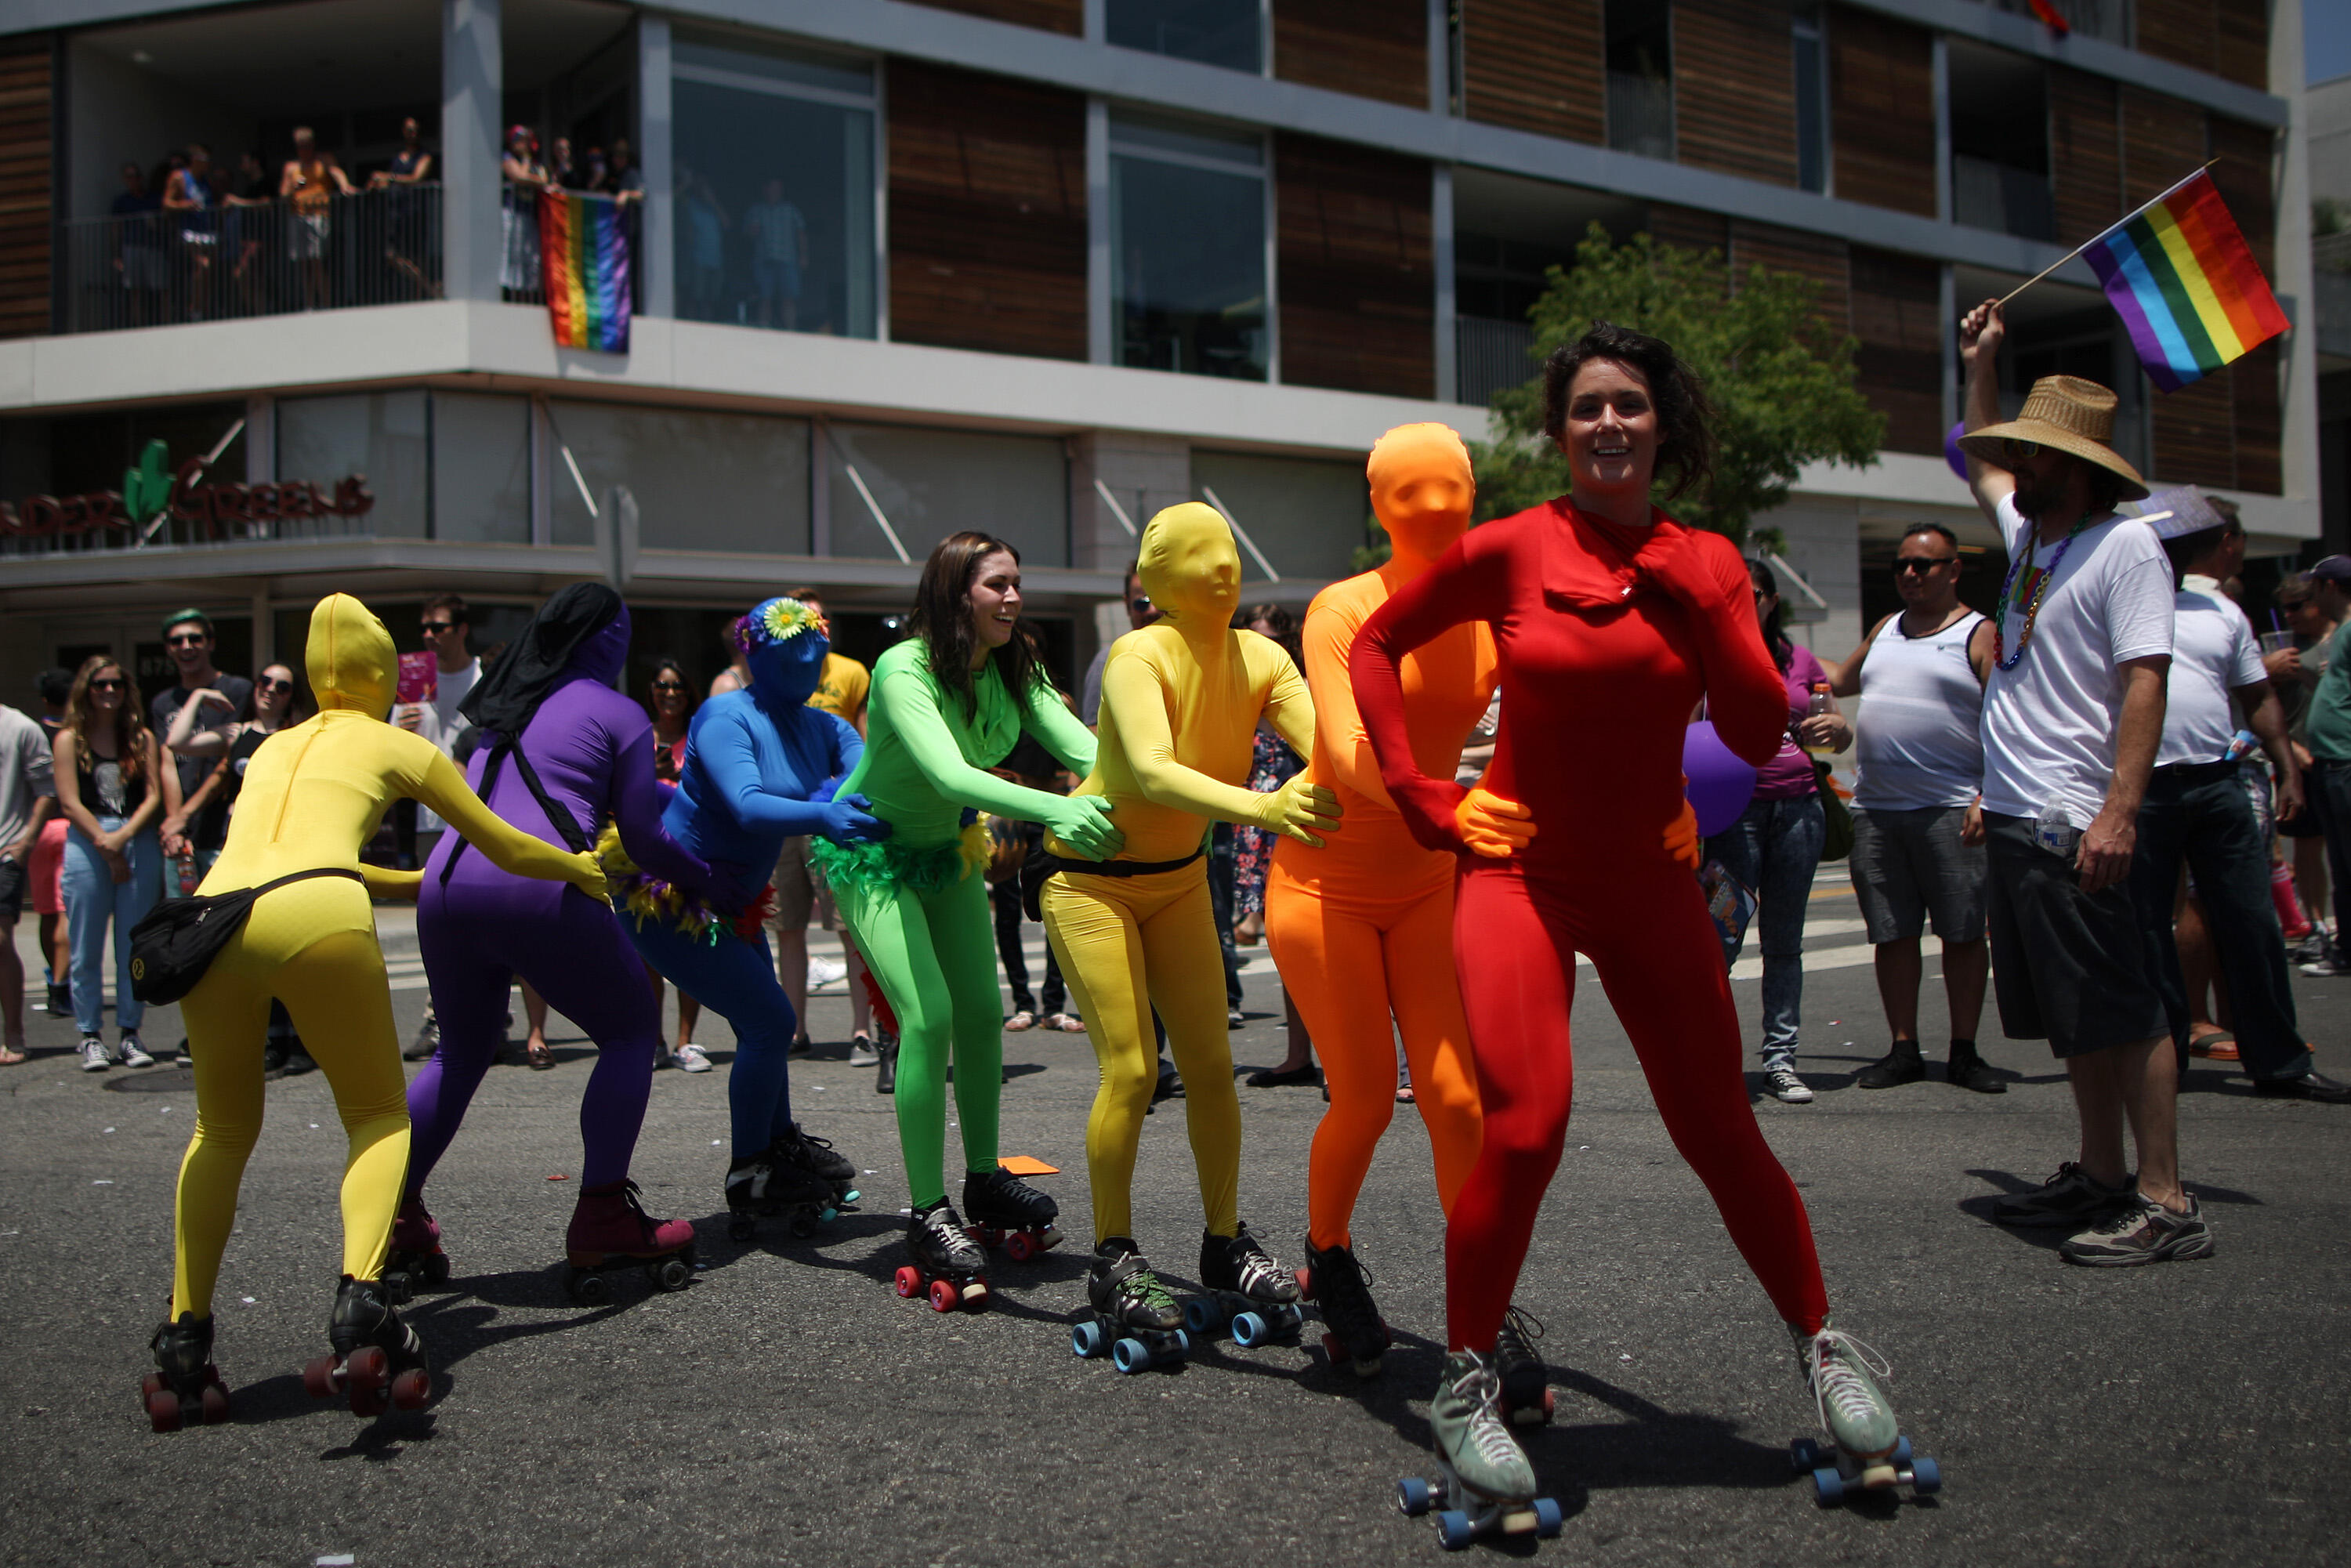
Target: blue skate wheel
[1086,1340]
[1828,1486]
[1183,1343]
[1804,1454]
[1900,1457]
[1201,1315]
[1925,1476]
[1413,1497]
[1130,1355]
[1251,1330]
[1548,1518]
[1454,1529]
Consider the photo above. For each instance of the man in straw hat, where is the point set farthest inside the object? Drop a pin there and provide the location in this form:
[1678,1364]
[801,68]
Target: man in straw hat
[2072,719]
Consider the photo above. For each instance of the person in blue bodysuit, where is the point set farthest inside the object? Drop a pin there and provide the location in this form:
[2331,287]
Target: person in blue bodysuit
[760,768]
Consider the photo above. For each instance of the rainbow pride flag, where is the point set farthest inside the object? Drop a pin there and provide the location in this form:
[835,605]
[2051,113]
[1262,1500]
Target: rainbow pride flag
[583,250]
[2186,284]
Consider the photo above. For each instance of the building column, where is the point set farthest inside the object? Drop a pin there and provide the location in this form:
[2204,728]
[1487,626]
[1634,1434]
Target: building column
[1142,473]
[656,161]
[1099,239]
[473,75]
[1941,68]
[1440,248]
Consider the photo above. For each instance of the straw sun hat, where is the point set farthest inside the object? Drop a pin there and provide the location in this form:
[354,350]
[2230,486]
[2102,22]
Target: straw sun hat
[2065,412]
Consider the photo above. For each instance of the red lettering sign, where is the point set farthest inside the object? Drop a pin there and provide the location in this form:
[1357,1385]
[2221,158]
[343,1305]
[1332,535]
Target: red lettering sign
[213,511]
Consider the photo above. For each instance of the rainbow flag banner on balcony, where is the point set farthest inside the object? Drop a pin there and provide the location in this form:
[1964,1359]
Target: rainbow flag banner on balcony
[583,246]
[2186,284]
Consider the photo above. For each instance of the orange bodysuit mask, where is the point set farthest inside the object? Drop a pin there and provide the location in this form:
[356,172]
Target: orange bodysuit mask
[1362,929]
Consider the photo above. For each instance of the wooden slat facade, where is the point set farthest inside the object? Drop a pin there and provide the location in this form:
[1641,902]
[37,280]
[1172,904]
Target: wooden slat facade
[27,196]
[2261,421]
[1734,88]
[1053,15]
[2195,434]
[1819,259]
[1882,109]
[1358,274]
[1535,64]
[1691,228]
[1898,315]
[1373,48]
[987,213]
[2086,151]
[2183,31]
[2242,52]
[2163,142]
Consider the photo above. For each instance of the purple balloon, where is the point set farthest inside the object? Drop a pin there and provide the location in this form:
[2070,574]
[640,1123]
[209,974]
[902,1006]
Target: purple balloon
[1717,783]
[1951,453]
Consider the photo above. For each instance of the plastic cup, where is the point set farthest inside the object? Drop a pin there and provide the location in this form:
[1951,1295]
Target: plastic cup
[2276,642]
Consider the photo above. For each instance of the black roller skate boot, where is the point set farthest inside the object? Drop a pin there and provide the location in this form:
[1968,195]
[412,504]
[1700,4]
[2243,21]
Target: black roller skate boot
[1357,1335]
[1130,1316]
[1526,1382]
[760,1187]
[416,1262]
[1006,1212]
[817,1155]
[948,1264]
[185,1386]
[1248,1292]
[378,1361]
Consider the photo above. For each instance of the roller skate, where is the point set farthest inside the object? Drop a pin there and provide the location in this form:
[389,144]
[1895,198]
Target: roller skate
[1484,1486]
[817,1157]
[1248,1292]
[1526,1382]
[948,1265]
[1131,1317]
[377,1360]
[417,1262]
[611,1230]
[1006,1212]
[760,1187]
[1357,1335]
[1867,1450]
[186,1384]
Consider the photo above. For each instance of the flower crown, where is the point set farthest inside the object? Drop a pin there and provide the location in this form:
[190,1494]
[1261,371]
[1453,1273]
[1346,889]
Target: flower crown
[776,621]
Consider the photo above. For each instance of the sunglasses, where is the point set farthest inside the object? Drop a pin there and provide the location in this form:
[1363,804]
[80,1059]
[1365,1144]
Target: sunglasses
[1921,564]
[2018,451]
[277,685]
[435,628]
[188,640]
[1140,603]
[668,686]
[115,685]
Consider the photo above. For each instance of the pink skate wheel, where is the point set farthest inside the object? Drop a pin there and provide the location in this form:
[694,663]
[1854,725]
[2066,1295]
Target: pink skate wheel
[1305,1283]
[1019,1247]
[216,1404]
[910,1282]
[164,1410]
[944,1296]
[318,1377]
[412,1388]
[150,1384]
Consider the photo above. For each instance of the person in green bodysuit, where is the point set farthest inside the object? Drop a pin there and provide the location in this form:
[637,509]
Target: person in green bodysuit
[948,703]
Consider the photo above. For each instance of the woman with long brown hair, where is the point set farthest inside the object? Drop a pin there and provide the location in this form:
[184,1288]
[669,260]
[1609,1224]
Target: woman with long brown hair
[669,698]
[106,772]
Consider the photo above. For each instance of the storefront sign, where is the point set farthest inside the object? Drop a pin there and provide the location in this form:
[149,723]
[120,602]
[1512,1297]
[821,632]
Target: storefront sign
[212,511]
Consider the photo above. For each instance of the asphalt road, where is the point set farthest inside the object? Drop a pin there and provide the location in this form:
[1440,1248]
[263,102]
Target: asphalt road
[788,1408]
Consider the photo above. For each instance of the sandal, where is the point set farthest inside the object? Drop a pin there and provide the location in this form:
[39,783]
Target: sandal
[1403,1095]
[1067,1023]
[1020,1020]
[1276,1078]
[10,1056]
[2217,1046]
[538,1058]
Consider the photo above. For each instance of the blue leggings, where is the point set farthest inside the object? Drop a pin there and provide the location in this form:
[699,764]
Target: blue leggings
[736,980]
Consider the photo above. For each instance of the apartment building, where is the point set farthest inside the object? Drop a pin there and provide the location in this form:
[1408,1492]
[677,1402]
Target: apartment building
[1041,267]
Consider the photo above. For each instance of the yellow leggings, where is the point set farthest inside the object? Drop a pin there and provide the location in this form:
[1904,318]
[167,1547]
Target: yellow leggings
[1128,944]
[313,946]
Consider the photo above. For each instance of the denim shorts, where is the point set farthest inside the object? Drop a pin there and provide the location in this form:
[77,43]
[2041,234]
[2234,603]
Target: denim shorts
[2069,967]
[1908,865]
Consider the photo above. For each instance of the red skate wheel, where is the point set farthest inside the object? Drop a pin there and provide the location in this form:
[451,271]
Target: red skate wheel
[318,1377]
[369,1401]
[367,1370]
[910,1282]
[164,1410]
[944,1295]
[412,1388]
[150,1384]
[216,1404]
[1305,1283]
[1019,1247]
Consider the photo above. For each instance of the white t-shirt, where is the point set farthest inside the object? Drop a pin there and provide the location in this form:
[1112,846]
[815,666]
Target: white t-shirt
[443,723]
[2214,652]
[2049,721]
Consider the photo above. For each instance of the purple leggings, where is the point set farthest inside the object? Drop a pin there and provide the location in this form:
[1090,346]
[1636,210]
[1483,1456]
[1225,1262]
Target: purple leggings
[475,941]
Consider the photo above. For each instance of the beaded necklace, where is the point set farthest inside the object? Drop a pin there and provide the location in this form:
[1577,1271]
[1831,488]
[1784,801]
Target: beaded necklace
[2033,611]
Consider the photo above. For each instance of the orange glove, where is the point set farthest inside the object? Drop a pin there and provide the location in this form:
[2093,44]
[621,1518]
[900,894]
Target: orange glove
[1492,826]
[1682,842]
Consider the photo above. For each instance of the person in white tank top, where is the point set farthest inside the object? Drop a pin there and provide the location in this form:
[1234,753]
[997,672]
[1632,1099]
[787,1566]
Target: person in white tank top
[1917,830]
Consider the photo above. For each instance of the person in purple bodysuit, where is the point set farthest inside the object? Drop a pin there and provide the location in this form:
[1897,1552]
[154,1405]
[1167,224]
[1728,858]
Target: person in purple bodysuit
[584,750]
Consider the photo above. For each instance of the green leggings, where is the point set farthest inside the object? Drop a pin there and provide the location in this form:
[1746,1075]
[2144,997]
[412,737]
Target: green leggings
[934,954]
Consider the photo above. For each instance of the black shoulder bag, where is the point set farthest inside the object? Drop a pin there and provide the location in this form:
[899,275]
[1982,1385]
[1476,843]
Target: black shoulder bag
[559,819]
[176,941]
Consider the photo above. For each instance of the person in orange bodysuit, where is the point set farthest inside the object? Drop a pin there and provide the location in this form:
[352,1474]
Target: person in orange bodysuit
[1361,928]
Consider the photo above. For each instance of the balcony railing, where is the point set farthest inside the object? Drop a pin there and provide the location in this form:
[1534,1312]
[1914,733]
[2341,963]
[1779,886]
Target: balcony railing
[1490,356]
[149,269]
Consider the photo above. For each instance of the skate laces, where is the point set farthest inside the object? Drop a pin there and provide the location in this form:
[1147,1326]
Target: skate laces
[1834,1363]
[1344,1284]
[1523,1323]
[1481,1386]
[1254,1267]
[1133,1279]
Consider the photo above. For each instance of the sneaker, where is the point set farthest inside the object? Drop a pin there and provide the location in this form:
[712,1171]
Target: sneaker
[802,1045]
[1233,1019]
[1465,1421]
[297,1062]
[427,1040]
[826,971]
[2141,1230]
[94,1057]
[862,1052]
[180,1057]
[2309,950]
[1901,1065]
[1783,1084]
[1966,1070]
[273,1061]
[2328,965]
[60,1001]
[134,1054]
[1169,1087]
[690,1058]
[2072,1197]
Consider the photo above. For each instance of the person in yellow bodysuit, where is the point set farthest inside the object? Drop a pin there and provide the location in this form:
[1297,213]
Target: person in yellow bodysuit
[312,796]
[1181,699]
[1363,930]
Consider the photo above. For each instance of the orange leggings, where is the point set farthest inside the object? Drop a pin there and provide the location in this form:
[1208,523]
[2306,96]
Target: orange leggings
[1350,960]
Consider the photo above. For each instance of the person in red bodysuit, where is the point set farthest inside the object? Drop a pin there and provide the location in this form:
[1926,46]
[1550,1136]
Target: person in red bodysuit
[1611,620]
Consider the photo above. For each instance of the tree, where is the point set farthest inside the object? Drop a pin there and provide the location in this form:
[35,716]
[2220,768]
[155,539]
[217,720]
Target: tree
[1783,384]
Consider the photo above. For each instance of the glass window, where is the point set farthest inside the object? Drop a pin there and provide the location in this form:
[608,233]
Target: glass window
[2000,141]
[1641,78]
[1228,33]
[380,435]
[1811,99]
[774,186]
[702,481]
[1308,517]
[481,468]
[933,482]
[1188,288]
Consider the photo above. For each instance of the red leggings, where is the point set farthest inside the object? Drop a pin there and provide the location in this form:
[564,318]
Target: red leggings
[1645,927]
